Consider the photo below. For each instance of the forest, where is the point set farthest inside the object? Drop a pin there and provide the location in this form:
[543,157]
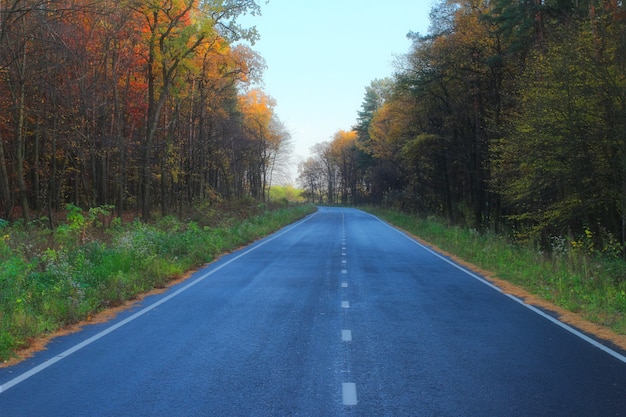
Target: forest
[507,116]
[139,105]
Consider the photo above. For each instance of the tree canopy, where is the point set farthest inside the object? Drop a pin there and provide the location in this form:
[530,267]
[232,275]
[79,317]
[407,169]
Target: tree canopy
[138,104]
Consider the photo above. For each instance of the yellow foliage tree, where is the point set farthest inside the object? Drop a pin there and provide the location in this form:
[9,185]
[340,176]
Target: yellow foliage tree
[265,137]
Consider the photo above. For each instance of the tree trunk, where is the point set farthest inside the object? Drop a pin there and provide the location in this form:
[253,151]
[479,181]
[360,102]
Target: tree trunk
[20,145]
[5,191]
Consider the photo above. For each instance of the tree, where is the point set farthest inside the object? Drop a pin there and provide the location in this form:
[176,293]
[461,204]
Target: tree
[264,139]
[328,162]
[375,95]
[560,168]
[215,143]
[281,155]
[175,31]
[346,155]
[311,179]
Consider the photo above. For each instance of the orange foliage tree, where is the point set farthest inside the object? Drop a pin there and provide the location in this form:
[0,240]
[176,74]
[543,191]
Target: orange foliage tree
[129,104]
[265,140]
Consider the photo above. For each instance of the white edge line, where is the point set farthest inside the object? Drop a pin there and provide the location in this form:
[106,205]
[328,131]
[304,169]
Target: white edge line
[24,376]
[559,323]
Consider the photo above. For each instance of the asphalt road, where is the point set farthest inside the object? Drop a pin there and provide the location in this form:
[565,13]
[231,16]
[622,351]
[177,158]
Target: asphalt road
[337,315]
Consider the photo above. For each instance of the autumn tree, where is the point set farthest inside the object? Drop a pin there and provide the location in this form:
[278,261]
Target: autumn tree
[125,103]
[266,139]
[211,141]
[346,156]
[170,39]
[175,29]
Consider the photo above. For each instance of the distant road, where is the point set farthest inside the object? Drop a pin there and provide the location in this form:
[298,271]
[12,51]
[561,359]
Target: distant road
[336,315]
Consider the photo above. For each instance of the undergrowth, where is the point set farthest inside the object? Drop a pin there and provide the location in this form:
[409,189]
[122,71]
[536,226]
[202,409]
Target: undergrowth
[590,283]
[53,278]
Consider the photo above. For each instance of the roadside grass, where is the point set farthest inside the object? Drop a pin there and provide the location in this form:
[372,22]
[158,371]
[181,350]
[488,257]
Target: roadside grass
[590,285]
[50,279]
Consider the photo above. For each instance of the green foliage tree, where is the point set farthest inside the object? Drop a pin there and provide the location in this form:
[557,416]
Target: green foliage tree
[371,172]
[560,167]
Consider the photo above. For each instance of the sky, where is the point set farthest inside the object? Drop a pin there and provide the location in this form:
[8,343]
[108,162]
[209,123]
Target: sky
[321,55]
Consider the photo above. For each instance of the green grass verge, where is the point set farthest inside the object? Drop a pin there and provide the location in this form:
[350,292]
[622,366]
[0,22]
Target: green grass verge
[51,279]
[592,286]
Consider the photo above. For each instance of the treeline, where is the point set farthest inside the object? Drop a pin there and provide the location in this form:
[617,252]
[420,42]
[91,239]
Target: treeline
[506,115]
[138,104]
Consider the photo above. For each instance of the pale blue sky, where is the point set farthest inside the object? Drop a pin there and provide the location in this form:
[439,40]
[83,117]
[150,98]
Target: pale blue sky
[322,54]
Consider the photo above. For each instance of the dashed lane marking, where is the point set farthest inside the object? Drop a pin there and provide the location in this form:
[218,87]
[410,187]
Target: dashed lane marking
[346,335]
[348,390]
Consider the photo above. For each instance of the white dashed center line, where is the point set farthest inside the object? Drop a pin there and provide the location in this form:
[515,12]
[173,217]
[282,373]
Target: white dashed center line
[346,335]
[349,393]
[348,389]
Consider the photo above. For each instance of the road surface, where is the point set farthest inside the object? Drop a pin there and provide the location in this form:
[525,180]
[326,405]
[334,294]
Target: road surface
[336,315]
